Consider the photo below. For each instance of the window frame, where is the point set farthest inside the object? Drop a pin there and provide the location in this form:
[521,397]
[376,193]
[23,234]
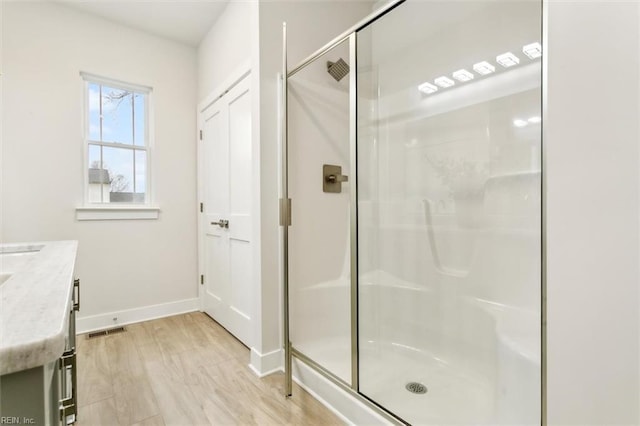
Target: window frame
[118,210]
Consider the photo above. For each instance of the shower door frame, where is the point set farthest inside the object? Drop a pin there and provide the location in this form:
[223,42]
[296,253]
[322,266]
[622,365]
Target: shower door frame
[285,214]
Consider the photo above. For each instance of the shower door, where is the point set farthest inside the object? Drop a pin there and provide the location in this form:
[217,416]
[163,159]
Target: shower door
[449,211]
[319,238]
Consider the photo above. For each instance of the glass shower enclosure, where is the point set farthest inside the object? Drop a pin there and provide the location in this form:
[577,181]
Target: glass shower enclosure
[413,256]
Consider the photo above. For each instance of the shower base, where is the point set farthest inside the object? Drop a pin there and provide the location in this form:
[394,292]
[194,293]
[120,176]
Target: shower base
[456,395]
[459,389]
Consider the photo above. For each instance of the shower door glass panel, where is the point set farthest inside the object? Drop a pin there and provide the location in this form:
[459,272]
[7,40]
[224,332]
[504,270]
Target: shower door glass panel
[319,242]
[449,211]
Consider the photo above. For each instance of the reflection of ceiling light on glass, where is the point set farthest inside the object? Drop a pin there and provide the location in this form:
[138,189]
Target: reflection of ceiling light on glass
[462,75]
[534,119]
[519,123]
[444,82]
[507,59]
[484,68]
[427,88]
[533,50]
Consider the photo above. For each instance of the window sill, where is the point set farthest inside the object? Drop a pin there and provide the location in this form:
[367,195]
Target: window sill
[117,213]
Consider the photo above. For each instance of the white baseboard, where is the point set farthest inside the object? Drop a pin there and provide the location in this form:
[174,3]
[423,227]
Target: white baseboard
[130,316]
[345,406]
[265,364]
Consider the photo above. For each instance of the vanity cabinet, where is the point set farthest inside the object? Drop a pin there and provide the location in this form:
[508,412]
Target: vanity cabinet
[38,377]
[47,394]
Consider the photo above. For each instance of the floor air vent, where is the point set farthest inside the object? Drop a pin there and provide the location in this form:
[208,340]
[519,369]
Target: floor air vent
[106,332]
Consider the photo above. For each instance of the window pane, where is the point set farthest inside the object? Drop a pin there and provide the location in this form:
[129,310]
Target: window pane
[117,112]
[98,177]
[141,173]
[119,163]
[94,157]
[139,119]
[94,111]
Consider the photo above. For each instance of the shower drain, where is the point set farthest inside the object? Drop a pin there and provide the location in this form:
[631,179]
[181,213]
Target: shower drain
[415,387]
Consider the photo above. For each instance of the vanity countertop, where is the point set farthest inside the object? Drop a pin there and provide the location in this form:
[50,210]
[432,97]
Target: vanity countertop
[35,302]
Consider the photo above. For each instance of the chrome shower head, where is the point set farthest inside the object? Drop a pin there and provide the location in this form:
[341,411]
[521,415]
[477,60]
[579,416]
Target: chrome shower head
[338,69]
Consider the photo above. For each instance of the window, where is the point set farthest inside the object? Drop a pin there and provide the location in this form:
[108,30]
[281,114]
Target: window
[117,143]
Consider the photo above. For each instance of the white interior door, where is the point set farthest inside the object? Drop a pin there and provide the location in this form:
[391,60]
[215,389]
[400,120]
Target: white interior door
[225,227]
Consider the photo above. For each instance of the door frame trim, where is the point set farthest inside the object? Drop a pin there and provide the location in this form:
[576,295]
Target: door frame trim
[234,78]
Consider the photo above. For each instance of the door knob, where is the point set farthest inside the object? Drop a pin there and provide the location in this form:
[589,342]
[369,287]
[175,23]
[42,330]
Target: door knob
[221,223]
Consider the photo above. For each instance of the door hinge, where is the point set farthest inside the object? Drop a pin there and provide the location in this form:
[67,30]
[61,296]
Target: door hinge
[285,211]
[201,207]
[201,279]
[200,134]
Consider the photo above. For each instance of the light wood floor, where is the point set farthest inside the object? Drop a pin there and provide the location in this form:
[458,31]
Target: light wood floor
[182,370]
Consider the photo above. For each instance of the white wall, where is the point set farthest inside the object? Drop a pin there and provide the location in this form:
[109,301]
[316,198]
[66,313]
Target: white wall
[226,46]
[122,264]
[592,213]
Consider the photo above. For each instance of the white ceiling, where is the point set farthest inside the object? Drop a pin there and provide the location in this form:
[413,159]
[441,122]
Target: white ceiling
[183,21]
